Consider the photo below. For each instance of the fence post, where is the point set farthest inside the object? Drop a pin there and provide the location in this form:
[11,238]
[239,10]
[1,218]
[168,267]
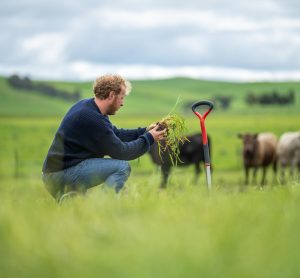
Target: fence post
[16,164]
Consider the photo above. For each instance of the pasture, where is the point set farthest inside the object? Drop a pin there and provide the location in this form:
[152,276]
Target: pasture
[144,232]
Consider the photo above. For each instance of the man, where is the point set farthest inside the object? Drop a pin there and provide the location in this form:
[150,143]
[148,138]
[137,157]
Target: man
[75,161]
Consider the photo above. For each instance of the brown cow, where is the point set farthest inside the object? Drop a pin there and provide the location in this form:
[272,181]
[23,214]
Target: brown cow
[259,150]
[191,152]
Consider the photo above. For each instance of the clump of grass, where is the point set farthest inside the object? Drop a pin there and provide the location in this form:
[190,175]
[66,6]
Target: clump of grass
[175,135]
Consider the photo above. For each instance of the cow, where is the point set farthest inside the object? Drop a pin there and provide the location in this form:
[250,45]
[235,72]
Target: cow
[259,150]
[190,152]
[288,152]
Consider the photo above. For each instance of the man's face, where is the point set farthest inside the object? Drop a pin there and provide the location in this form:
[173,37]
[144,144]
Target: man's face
[117,101]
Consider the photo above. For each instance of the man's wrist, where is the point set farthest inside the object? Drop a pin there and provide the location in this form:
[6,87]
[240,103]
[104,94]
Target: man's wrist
[149,138]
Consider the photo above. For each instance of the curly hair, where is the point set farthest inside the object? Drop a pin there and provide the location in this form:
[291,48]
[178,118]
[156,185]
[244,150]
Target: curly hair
[103,85]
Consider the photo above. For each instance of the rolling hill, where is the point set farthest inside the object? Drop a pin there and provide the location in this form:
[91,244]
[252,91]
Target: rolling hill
[151,97]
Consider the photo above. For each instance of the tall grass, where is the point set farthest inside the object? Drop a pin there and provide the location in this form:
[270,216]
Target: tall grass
[183,231]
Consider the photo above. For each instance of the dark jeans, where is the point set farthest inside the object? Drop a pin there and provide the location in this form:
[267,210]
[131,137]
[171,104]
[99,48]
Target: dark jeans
[88,173]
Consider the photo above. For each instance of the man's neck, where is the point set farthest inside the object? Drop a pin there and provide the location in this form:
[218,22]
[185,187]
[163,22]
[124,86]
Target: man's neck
[102,105]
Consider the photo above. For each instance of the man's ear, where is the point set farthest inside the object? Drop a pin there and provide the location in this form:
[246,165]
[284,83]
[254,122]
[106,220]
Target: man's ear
[111,94]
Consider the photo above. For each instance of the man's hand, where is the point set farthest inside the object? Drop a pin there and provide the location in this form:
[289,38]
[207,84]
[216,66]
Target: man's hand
[151,126]
[158,135]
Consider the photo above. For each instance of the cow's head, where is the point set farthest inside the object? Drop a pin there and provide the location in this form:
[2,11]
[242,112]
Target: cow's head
[249,144]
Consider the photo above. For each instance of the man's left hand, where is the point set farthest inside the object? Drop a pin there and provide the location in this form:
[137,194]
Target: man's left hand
[151,126]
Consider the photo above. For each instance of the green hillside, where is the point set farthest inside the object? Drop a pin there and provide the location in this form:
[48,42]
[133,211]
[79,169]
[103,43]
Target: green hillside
[149,97]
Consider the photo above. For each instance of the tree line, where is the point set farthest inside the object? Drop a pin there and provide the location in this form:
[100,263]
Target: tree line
[267,98]
[270,98]
[42,88]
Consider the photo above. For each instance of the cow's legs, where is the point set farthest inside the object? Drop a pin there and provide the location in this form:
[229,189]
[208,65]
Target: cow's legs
[263,180]
[282,172]
[254,180]
[165,170]
[275,171]
[246,175]
[293,166]
[197,172]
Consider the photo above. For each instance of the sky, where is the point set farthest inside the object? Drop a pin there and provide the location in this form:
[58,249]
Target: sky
[78,40]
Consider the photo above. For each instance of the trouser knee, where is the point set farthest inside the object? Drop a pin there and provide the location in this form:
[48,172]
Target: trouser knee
[125,168]
[122,175]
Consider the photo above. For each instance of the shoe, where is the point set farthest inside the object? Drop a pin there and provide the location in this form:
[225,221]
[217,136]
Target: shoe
[67,196]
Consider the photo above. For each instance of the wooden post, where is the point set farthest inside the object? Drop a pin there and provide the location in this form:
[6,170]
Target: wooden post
[16,155]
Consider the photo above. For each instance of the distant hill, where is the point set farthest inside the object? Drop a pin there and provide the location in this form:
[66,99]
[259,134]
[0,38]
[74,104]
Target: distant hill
[155,97]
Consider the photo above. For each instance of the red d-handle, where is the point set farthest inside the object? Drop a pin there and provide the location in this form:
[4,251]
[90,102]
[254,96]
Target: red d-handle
[202,103]
[202,117]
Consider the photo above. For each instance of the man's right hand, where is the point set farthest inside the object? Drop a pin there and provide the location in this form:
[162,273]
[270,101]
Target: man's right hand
[158,135]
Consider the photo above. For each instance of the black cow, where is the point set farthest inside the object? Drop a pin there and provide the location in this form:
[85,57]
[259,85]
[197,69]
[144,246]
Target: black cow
[191,152]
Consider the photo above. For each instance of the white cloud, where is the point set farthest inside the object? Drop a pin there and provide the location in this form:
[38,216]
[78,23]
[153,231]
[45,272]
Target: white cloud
[80,39]
[44,48]
[82,71]
[168,18]
[90,71]
[210,20]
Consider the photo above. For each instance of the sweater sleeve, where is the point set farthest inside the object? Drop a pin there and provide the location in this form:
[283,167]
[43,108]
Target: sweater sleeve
[127,135]
[106,142]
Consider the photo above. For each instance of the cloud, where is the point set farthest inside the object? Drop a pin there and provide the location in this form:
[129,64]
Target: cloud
[150,38]
[44,48]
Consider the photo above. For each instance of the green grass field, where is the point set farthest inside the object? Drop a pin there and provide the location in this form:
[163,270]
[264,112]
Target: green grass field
[183,231]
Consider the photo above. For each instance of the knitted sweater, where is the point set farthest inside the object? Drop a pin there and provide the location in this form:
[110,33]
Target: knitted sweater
[86,133]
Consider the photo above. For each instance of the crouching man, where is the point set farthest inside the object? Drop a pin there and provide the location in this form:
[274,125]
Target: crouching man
[75,161]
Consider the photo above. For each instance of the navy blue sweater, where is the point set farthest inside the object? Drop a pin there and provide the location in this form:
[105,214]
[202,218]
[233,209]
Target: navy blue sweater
[85,133]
